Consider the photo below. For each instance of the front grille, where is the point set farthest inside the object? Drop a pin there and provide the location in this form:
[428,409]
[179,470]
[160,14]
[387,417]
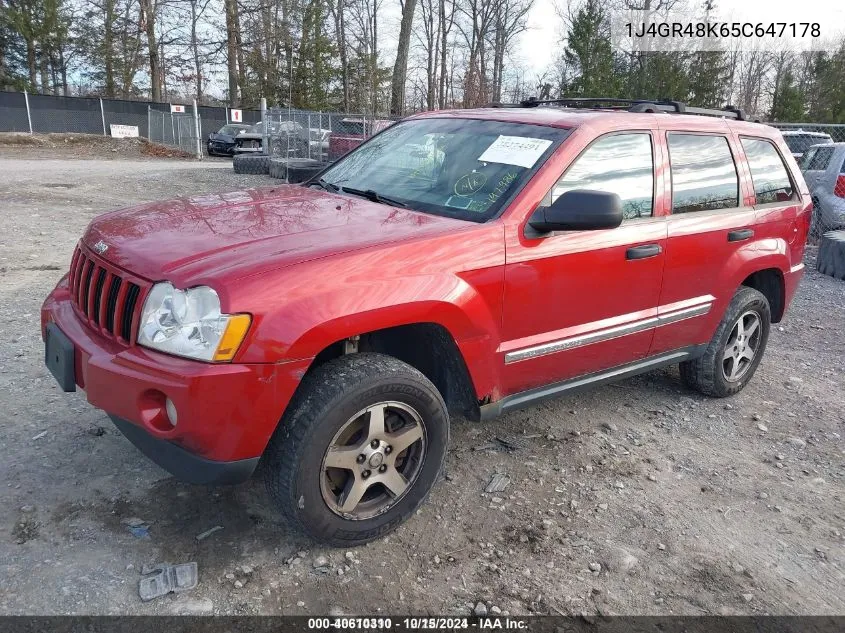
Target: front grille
[105,296]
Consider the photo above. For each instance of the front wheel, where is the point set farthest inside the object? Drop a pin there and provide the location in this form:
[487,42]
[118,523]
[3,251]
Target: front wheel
[735,351]
[359,450]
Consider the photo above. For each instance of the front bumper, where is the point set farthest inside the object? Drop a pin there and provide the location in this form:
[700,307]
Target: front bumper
[182,464]
[215,147]
[226,413]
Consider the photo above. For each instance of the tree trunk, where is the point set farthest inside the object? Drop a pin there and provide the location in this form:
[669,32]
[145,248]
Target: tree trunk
[196,51]
[108,46]
[374,63]
[338,9]
[63,69]
[239,48]
[232,51]
[400,68]
[444,32]
[31,64]
[42,68]
[148,17]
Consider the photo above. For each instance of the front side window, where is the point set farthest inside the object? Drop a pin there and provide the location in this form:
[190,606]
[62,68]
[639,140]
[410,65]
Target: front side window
[768,173]
[462,168]
[703,173]
[621,164]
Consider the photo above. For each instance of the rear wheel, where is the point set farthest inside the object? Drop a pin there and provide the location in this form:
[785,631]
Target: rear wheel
[358,451]
[735,351]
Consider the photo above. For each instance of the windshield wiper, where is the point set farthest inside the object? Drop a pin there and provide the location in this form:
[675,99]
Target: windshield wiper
[325,184]
[370,194]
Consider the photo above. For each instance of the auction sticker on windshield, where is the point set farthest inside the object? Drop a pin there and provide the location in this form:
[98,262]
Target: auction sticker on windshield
[522,151]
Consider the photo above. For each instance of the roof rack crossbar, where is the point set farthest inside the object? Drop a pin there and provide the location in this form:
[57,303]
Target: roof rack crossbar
[640,105]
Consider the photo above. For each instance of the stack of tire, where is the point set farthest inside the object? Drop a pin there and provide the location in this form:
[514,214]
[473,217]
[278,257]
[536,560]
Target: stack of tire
[294,170]
[831,257]
[251,164]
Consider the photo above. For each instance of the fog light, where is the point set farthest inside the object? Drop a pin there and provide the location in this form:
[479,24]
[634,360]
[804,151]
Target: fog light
[172,416]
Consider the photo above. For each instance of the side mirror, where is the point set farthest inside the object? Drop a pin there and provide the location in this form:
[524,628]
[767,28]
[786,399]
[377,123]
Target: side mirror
[578,210]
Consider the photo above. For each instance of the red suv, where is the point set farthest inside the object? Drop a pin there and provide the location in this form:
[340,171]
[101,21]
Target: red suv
[470,262]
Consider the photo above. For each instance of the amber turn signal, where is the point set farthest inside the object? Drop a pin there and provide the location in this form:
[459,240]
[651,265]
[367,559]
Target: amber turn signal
[232,338]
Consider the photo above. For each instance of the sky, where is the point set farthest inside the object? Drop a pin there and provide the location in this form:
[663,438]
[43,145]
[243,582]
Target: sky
[541,43]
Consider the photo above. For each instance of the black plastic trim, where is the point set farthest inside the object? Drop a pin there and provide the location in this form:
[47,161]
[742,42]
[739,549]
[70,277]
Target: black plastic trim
[644,251]
[740,234]
[535,396]
[183,464]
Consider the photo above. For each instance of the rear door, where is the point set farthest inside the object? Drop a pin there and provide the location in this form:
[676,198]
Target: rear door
[711,220]
[816,167]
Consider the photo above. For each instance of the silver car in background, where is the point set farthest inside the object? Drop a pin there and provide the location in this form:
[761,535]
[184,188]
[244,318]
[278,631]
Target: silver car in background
[823,167]
[799,141]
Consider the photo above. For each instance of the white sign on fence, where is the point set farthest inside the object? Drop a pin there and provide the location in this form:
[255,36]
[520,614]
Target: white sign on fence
[237,116]
[177,109]
[124,131]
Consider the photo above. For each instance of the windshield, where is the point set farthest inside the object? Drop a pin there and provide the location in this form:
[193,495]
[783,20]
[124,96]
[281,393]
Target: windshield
[799,143]
[462,168]
[232,130]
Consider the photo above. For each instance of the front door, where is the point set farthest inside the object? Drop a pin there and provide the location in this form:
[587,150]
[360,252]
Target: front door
[578,302]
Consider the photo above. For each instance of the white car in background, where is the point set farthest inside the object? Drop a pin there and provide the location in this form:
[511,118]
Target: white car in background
[799,141]
[823,167]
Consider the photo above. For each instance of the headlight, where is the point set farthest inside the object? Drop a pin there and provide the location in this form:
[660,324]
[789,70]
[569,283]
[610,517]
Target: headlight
[189,323]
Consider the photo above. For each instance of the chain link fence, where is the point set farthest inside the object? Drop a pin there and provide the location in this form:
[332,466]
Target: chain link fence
[179,130]
[323,137]
[822,163]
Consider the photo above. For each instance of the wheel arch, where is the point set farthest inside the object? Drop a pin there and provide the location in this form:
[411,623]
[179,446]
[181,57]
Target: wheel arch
[769,282]
[428,347]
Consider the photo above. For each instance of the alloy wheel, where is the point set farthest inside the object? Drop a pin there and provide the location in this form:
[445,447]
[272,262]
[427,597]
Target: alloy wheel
[373,460]
[741,347]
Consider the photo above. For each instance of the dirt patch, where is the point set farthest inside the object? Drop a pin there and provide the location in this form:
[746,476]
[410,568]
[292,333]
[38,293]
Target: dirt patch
[70,145]
[639,498]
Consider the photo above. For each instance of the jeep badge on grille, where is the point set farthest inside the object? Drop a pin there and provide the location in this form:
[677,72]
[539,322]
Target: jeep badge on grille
[101,247]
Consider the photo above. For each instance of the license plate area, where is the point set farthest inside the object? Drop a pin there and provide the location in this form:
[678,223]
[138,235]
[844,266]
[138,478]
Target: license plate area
[59,356]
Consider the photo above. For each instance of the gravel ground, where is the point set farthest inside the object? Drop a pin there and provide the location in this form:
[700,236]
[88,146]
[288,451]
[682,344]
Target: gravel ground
[636,498]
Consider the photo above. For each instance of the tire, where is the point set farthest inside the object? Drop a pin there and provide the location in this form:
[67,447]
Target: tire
[830,259]
[303,172]
[278,168]
[709,374]
[329,400]
[251,164]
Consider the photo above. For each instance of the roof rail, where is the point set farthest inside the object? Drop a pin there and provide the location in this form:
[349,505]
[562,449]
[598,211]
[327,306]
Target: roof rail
[640,105]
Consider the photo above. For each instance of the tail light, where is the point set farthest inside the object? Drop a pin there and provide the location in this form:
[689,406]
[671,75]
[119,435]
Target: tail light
[839,187]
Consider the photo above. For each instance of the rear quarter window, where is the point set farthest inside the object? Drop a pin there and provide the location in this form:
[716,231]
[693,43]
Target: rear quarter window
[820,159]
[768,173]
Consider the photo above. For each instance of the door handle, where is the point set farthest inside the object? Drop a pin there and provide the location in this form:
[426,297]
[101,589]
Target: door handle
[740,235]
[644,251]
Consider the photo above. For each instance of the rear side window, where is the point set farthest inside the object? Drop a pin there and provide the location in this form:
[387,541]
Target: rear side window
[768,173]
[620,164]
[821,159]
[807,158]
[703,173]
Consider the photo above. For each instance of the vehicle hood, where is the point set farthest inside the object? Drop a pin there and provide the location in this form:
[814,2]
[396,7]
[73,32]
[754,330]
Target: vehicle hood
[202,239]
[222,138]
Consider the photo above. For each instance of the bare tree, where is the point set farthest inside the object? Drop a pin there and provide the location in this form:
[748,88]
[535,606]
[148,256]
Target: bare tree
[149,14]
[400,68]
[232,24]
